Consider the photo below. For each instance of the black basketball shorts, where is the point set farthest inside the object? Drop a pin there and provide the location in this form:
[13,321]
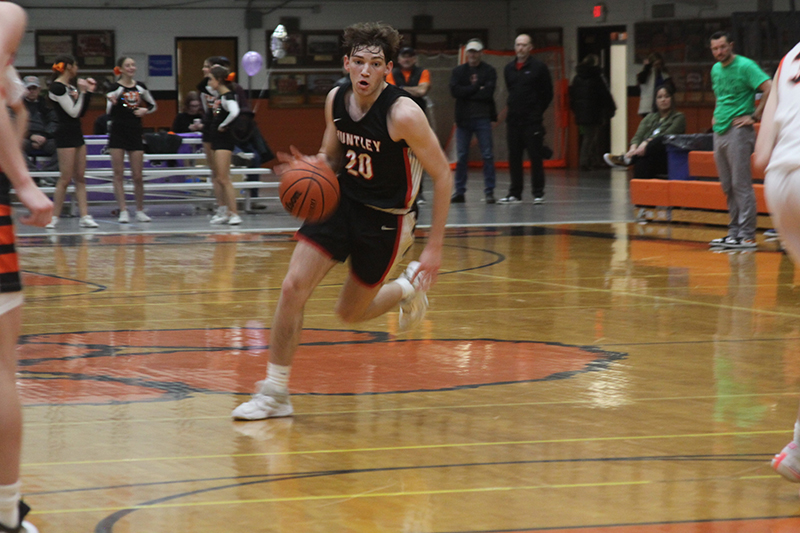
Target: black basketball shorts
[373,240]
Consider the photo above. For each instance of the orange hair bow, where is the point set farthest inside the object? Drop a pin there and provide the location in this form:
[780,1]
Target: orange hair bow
[58,67]
[117,71]
[231,76]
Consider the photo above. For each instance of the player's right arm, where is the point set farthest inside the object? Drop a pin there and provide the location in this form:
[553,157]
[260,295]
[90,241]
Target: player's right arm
[12,28]
[768,132]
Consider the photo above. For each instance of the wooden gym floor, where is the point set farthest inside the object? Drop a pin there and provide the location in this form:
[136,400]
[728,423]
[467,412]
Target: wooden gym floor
[576,372]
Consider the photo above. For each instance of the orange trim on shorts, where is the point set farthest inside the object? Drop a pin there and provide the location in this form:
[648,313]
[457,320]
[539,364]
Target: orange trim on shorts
[9,263]
[6,234]
[5,210]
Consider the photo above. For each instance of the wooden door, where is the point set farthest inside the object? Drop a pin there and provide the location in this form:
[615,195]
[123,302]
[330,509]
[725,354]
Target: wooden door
[192,51]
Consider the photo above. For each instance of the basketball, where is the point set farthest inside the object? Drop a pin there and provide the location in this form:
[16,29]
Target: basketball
[309,192]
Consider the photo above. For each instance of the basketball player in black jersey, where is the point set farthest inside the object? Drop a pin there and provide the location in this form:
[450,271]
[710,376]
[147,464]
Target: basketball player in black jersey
[13,173]
[380,141]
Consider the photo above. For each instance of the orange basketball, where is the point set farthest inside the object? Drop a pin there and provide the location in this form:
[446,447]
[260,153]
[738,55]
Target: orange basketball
[309,192]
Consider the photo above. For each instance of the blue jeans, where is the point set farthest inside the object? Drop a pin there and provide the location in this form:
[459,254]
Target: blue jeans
[482,128]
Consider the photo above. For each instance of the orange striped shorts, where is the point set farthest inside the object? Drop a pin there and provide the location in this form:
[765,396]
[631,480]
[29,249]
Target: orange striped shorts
[9,262]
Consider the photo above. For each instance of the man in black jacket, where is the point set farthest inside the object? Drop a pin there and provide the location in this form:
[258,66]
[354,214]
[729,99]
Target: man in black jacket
[472,84]
[42,124]
[530,91]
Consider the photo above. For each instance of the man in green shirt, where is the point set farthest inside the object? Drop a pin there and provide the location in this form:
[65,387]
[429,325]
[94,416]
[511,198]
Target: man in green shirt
[736,80]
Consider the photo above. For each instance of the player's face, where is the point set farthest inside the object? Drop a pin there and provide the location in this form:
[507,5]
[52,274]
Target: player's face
[721,49]
[206,69]
[368,69]
[523,47]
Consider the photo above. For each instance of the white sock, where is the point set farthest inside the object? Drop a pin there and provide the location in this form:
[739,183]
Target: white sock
[278,376]
[797,433]
[406,287]
[9,504]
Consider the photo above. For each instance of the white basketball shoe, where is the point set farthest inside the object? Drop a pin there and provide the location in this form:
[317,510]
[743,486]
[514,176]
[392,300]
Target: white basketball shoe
[414,306]
[267,402]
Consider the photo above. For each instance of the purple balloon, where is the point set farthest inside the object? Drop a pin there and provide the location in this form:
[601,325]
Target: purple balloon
[252,62]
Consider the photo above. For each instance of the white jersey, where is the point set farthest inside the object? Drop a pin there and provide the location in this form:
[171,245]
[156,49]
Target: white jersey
[786,153]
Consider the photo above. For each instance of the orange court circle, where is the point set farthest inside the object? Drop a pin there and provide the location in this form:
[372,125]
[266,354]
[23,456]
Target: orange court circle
[128,366]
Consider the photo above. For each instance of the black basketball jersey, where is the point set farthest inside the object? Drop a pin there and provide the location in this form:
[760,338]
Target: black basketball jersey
[376,171]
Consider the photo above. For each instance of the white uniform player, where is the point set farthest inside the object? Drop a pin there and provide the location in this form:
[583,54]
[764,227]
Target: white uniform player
[778,149]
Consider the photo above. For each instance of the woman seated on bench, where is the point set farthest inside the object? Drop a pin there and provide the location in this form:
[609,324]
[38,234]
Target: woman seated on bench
[647,153]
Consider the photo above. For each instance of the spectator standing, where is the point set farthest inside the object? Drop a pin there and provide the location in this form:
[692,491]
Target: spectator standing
[735,80]
[653,75]
[647,152]
[190,120]
[530,92]
[472,84]
[414,80]
[42,124]
[593,105]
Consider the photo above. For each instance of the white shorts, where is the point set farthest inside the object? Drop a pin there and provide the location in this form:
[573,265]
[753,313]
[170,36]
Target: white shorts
[782,193]
[10,300]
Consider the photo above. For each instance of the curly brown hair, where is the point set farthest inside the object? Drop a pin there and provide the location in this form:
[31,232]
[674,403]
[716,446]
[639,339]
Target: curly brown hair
[370,35]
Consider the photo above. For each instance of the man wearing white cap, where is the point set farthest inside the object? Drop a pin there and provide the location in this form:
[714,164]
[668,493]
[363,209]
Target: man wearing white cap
[42,124]
[472,84]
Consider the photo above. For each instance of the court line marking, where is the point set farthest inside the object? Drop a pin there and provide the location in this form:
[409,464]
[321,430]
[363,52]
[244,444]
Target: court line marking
[759,458]
[617,293]
[345,497]
[405,448]
[398,409]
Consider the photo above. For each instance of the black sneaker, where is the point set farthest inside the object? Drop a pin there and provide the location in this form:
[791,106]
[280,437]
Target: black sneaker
[510,199]
[490,198]
[457,199]
[723,242]
[742,244]
[24,526]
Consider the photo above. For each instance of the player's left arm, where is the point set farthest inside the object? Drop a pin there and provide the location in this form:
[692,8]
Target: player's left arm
[749,120]
[407,122]
[767,132]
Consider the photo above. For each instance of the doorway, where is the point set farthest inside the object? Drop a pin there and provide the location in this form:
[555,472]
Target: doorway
[191,52]
[597,40]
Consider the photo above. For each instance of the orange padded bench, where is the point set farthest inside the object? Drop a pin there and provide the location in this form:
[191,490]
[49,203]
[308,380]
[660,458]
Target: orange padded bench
[702,165]
[692,194]
[704,193]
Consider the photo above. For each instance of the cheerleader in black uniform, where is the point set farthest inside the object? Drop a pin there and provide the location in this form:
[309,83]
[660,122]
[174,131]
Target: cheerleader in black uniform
[209,97]
[128,102]
[71,100]
[225,112]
